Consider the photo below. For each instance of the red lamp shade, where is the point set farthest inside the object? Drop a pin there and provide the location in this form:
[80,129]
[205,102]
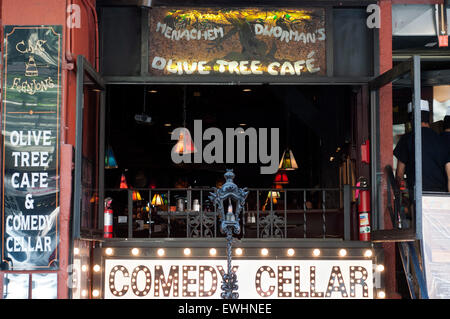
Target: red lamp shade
[123,182]
[281,178]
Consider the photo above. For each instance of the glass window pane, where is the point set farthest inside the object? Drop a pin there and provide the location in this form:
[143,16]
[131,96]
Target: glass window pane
[45,286]
[15,286]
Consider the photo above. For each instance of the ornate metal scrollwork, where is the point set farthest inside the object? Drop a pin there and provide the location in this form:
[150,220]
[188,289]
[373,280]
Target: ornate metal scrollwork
[272,226]
[201,225]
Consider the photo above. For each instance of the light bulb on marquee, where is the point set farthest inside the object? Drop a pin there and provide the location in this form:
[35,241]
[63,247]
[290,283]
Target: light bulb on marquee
[109,251]
[161,252]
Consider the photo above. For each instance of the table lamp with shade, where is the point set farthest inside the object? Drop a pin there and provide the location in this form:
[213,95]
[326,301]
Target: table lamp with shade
[157,200]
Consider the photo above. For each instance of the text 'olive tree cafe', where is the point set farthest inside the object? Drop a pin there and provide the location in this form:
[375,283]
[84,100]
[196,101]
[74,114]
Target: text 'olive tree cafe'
[218,152]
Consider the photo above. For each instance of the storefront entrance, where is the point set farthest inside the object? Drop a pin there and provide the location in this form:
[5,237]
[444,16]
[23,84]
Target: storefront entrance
[293,126]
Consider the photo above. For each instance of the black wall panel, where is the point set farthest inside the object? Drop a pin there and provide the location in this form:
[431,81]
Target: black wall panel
[120,40]
[353,43]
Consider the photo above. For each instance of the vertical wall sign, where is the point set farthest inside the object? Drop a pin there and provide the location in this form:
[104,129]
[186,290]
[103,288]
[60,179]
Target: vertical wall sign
[31,102]
[244,41]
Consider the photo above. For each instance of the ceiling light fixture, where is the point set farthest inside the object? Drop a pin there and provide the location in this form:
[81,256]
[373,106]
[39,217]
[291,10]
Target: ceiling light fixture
[110,159]
[281,178]
[288,162]
[123,182]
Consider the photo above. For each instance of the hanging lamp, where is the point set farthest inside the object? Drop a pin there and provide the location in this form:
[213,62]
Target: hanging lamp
[110,159]
[123,182]
[281,178]
[185,145]
[288,162]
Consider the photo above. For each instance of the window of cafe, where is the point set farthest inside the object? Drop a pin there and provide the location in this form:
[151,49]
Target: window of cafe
[188,59]
[314,123]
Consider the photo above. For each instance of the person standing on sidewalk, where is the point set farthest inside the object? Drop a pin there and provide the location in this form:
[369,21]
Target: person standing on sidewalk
[435,156]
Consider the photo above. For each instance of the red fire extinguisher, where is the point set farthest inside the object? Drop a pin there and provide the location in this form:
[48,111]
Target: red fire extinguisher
[364,210]
[108,219]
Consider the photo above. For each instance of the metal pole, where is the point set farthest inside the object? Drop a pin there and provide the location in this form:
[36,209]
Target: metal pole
[101,160]
[130,213]
[417,145]
[418,169]
[347,200]
[375,177]
[78,151]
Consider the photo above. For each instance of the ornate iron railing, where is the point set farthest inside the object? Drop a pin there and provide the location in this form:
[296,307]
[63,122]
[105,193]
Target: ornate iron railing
[268,213]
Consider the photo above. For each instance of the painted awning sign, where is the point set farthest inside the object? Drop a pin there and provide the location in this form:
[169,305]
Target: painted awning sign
[285,279]
[30,174]
[242,42]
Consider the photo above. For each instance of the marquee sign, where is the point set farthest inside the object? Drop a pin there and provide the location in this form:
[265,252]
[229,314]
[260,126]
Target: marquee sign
[181,278]
[31,102]
[244,41]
